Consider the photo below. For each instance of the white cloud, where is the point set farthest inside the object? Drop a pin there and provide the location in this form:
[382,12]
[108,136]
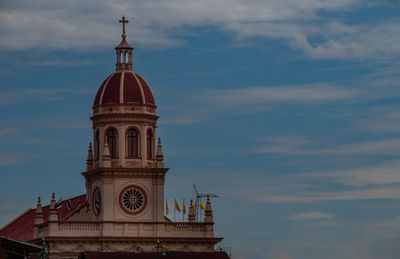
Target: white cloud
[385,228]
[92,24]
[58,63]
[304,94]
[292,145]
[268,187]
[63,121]
[262,195]
[209,104]
[311,215]
[323,223]
[385,173]
[382,120]
[10,159]
[12,97]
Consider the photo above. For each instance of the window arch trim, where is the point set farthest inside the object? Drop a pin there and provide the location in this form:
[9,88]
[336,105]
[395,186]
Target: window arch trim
[97,145]
[150,143]
[130,151]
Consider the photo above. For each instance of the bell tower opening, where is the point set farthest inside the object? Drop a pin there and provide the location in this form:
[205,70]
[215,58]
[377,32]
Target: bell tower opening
[133,143]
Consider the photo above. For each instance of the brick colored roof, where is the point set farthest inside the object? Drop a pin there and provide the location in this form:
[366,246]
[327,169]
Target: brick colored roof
[168,255]
[124,45]
[21,227]
[131,86]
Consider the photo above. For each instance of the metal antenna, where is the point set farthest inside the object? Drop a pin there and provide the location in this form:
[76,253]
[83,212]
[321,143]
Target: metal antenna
[198,197]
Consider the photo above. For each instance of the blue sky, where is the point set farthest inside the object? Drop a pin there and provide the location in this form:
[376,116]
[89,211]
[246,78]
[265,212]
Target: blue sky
[288,110]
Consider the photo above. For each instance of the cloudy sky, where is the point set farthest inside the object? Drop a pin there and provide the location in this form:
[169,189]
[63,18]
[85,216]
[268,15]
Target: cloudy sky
[287,109]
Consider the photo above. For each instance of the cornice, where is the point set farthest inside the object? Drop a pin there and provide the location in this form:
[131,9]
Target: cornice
[123,172]
[121,115]
[140,239]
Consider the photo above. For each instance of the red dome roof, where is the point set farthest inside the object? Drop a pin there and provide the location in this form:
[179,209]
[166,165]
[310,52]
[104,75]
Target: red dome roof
[124,88]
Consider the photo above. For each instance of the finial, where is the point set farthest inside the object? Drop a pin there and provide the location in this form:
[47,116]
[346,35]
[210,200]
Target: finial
[106,156]
[159,155]
[38,200]
[89,160]
[38,220]
[124,51]
[53,213]
[208,213]
[123,21]
[53,202]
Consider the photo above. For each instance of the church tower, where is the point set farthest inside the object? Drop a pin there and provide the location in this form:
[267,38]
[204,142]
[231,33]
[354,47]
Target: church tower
[123,208]
[124,180]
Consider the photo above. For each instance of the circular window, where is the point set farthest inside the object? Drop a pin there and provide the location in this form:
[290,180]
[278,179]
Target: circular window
[133,199]
[96,198]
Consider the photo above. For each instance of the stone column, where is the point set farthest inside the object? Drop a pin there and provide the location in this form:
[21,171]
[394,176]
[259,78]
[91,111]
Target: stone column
[121,146]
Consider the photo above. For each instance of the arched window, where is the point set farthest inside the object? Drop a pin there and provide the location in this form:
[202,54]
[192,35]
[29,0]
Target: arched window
[149,144]
[97,145]
[133,143]
[112,141]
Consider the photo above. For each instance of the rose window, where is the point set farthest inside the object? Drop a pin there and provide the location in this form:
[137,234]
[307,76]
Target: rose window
[133,199]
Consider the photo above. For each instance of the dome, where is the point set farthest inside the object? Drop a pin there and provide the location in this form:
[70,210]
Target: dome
[125,87]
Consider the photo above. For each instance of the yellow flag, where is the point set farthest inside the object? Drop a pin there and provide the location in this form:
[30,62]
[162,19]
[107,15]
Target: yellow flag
[202,205]
[192,209]
[177,206]
[166,207]
[184,207]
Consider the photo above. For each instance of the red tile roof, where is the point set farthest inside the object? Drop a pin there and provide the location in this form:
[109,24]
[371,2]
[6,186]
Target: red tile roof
[21,227]
[124,45]
[131,86]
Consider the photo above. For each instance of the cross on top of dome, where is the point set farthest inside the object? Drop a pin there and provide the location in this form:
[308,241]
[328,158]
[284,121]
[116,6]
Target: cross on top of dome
[124,50]
[123,21]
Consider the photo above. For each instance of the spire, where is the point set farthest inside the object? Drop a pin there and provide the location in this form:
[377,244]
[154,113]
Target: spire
[124,51]
[53,201]
[39,213]
[159,155]
[208,215]
[38,219]
[123,21]
[106,156]
[89,160]
[53,214]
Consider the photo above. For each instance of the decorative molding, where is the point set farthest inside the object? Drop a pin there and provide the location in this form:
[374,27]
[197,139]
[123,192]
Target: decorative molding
[126,172]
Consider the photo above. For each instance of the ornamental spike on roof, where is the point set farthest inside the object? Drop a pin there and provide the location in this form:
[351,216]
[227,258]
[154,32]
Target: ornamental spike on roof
[123,44]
